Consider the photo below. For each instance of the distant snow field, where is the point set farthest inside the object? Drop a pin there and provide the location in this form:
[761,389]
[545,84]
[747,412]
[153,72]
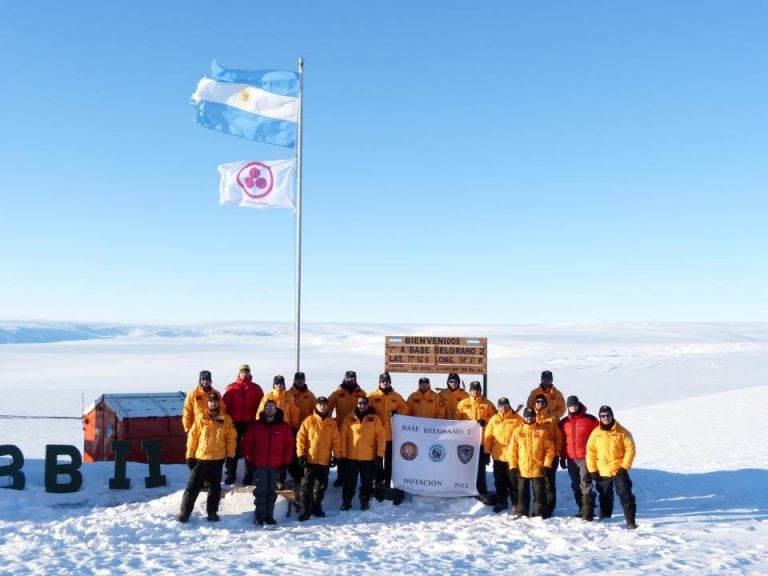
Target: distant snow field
[691,394]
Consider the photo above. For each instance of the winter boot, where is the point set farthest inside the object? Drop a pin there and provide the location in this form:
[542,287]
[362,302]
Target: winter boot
[588,508]
[629,515]
[365,504]
[317,510]
[606,510]
[346,505]
[304,516]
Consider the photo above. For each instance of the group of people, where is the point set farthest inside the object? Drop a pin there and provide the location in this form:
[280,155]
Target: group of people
[552,430]
[293,432]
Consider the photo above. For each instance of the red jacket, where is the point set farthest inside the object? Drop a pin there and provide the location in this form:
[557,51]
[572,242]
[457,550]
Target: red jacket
[242,399]
[576,429]
[269,444]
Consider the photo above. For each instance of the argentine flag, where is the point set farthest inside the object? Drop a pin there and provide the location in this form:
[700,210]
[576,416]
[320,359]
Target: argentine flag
[259,105]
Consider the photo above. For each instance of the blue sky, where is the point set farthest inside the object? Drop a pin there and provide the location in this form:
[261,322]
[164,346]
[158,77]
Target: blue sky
[489,162]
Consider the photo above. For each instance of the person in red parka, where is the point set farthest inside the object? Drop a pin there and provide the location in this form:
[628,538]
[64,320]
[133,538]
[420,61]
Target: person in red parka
[242,399]
[267,446]
[576,428]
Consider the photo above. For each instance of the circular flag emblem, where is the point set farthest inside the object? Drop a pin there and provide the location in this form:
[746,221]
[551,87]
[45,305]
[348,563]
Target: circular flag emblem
[409,451]
[436,453]
[255,180]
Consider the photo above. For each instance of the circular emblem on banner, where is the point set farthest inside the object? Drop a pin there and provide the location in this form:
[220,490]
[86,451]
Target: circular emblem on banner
[255,180]
[436,453]
[108,430]
[409,451]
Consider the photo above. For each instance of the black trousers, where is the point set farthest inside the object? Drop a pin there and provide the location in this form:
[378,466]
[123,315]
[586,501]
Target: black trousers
[205,471]
[385,475]
[313,485]
[505,481]
[366,469]
[539,488]
[605,488]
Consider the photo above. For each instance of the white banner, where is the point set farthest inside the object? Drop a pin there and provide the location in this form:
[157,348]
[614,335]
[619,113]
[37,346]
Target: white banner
[435,457]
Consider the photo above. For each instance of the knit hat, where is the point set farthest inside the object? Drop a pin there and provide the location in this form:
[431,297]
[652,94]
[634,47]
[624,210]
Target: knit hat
[475,385]
[205,375]
[213,396]
[572,401]
[423,380]
[529,413]
[385,377]
[541,397]
[546,376]
[605,410]
[299,376]
[350,374]
[278,380]
[503,401]
[453,376]
[321,400]
[244,367]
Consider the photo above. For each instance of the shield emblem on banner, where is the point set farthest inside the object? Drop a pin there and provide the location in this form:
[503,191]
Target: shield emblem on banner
[465,452]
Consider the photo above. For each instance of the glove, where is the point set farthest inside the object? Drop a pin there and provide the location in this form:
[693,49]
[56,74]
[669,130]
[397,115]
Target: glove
[228,461]
[515,471]
[547,470]
[621,472]
[481,422]
[283,469]
[379,462]
[485,458]
[393,413]
[302,460]
[191,463]
[334,461]
[563,463]
[595,476]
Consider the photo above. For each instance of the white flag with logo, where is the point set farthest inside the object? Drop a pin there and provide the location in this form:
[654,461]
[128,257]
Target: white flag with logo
[267,184]
[435,457]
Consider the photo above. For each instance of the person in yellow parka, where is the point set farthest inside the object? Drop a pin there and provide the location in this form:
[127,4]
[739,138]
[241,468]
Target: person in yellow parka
[362,449]
[386,403]
[452,395]
[498,434]
[425,402]
[342,401]
[195,401]
[210,441]
[478,408]
[530,456]
[318,444]
[555,400]
[284,401]
[550,422]
[304,400]
[610,453]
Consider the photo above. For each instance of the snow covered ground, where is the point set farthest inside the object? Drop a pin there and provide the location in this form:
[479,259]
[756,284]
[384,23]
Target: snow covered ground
[692,394]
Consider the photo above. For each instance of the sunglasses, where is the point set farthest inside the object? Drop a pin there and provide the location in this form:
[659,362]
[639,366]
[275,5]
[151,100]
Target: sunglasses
[604,416]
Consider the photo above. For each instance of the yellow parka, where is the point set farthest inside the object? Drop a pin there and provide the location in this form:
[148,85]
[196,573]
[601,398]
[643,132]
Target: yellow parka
[196,404]
[343,402]
[304,400]
[498,434]
[550,422]
[362,437]
[609,450]
[531,450]
[452,399]
[555,401]
[318,439]
[475,408]
[426,405]
[284,401]
[384,403]
[212,438]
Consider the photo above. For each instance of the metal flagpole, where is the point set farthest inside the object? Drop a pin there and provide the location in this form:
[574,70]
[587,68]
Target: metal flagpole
[298,213]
